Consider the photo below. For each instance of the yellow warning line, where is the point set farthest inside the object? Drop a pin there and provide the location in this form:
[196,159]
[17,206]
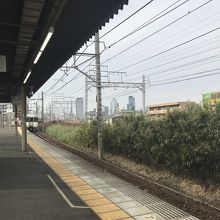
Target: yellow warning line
[101,205]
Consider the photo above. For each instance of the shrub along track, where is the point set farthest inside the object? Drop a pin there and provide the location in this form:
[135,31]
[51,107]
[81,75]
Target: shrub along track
[195,207]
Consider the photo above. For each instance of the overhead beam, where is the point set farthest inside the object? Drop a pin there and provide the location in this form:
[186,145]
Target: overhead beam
[28,25]
[21,43]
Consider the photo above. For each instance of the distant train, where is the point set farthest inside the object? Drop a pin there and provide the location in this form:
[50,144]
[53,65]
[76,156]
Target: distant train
[32,122]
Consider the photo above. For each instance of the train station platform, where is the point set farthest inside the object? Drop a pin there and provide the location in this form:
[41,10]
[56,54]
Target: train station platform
[27,189]
[56,184]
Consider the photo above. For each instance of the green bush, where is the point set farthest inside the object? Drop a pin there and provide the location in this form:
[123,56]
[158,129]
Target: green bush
[186,143]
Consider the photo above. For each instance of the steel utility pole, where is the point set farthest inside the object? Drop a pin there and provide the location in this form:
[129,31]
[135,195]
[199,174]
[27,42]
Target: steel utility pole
[98,95]
[143,95]
[86,97]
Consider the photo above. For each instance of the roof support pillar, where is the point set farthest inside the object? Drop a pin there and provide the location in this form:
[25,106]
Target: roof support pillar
[16,116]
[23,119]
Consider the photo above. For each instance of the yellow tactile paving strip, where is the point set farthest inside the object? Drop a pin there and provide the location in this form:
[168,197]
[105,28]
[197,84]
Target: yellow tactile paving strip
[102,206]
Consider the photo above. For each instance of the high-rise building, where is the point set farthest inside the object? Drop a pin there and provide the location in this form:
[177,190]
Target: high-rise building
[113,105]
[131,103]
[79,108]
[105,111]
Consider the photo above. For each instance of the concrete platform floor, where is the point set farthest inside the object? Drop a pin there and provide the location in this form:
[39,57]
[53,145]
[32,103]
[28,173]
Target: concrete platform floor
[30,190]
[51,183]
[109,197]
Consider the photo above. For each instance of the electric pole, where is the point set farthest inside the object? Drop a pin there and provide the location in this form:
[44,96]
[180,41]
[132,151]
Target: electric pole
[98,95]
[143,94]
[86,97]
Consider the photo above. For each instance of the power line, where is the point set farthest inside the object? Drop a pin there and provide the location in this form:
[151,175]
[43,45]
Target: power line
[115,95]
[92,59]
[110,97]
[65,74]
[61,78]
[191,74]
[166,26]
[172,73]
[77,76]
[130,16]
[172,61]
[150,21]
[185,64]
[113,29]
[141,8]
[176,81]
[185,50]
[78,90]
[158,45]
[172,48]
[164,83]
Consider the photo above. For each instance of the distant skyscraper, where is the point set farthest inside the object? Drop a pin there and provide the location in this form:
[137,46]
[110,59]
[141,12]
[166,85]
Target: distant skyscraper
[79,108]
[106,110]
[131,103]
[113,105]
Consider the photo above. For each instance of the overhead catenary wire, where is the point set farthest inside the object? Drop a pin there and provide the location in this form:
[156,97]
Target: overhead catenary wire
[172,48]
[130,16]
[121,95]
[61,79]
[120,24]
[183,65]
[205,60]
[151,20]
[126,19]
[160,44]
[150,68]
[182,51]
[108,97]
[75,77]
[194,76]
[147,37]
[65,74]
[176,72]
[173,61]
[188,28]
[187,79]
[78,90]
[191,74]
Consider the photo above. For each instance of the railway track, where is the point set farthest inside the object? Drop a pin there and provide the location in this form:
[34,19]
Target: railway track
[195,207]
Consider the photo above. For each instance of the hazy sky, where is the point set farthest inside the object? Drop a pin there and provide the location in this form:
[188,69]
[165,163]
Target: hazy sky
[195,58]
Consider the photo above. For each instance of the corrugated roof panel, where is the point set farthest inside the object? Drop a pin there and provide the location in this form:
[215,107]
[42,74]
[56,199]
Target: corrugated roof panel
[78,22]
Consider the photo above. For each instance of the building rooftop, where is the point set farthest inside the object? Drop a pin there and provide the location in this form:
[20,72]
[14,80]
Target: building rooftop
[170,104]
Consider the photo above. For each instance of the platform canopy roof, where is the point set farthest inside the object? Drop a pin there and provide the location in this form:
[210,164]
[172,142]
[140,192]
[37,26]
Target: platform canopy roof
[24,24]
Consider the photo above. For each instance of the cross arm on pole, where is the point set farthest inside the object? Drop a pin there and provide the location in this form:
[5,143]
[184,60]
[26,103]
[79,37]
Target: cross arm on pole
[85,74]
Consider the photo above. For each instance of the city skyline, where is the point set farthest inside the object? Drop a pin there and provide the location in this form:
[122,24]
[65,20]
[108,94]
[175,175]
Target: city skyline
[195,57]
